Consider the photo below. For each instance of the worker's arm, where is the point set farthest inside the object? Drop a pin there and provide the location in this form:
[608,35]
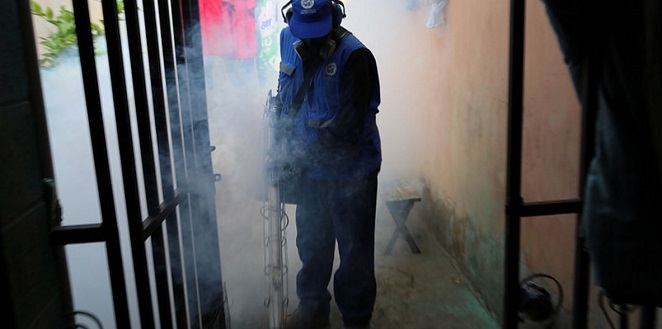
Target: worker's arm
[355,94]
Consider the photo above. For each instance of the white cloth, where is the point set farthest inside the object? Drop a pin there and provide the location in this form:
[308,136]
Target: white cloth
[437,15]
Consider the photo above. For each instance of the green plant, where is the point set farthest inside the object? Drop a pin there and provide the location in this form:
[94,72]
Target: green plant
[63,38]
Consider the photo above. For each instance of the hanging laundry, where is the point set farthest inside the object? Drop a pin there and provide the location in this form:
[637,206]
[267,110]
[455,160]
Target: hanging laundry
[242,18]
[268,15]
[437,16]
[215,28]
[413,5]
[228,28]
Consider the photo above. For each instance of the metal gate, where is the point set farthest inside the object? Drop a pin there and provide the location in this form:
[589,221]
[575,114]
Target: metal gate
[178,178]
[516,208]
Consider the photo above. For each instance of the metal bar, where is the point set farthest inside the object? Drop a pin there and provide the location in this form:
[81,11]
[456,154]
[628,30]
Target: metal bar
[275,268]
[161,278]
[514,164]
[184,87]
[205,229]
[581,282]
[74,234]
[549,208]
[163,144]
[185,151]
[274,233]
[141,103]
[177,244]
[188,263]
[196,81]
[588,97]
[125,140]
[647,317]
[146,143]
[98,139]
[6,310]
[153,222]
[624,317]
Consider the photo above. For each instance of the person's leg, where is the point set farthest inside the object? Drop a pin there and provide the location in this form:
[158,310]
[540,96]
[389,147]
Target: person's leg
[316,246]
[354,222]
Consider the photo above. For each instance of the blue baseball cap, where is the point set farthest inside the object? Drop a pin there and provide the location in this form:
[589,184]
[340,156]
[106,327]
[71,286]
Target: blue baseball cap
[310,18]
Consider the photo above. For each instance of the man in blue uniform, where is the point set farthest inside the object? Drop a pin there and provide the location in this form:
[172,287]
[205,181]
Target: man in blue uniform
[329,89]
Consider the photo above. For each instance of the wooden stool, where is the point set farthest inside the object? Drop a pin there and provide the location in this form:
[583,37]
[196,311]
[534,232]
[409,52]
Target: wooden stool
[399,201]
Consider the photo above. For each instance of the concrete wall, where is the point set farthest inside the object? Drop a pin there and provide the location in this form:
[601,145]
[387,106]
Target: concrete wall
[465,174]
[444,124]
[550,169]
[30,296]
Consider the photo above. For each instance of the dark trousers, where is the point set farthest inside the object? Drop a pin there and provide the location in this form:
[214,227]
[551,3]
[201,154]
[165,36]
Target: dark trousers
[342,211]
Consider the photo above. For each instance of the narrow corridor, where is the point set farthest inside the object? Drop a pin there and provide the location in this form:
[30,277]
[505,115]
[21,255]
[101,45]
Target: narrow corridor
[415,291]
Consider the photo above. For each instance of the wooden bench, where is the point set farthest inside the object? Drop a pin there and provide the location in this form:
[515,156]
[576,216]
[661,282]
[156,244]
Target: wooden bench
[399,200]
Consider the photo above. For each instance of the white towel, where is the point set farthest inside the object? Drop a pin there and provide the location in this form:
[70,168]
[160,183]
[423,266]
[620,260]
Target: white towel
[437,15]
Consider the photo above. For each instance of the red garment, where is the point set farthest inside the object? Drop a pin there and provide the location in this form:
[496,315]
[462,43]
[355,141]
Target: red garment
[228,28]
[215,28]
[244,34]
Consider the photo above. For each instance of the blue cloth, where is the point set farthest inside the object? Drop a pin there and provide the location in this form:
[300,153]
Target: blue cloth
[334,138]
[333,211]
[335,134]
[311,18]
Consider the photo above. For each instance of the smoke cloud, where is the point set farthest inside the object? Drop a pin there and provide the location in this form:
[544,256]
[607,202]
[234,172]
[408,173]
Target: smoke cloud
[76,182]
[236,91]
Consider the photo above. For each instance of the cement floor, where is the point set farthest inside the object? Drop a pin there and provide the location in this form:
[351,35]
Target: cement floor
[421,291]
[415,291]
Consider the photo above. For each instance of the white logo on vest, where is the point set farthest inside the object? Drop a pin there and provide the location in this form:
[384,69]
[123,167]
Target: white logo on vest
[331,69]
[307,4]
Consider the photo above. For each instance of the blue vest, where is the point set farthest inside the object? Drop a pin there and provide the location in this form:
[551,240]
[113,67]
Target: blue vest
[321,106]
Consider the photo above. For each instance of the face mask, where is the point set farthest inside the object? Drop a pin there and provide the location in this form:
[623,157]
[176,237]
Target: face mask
[306,49]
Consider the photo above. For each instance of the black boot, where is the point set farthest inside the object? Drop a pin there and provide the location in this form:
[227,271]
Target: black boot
[301,320]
